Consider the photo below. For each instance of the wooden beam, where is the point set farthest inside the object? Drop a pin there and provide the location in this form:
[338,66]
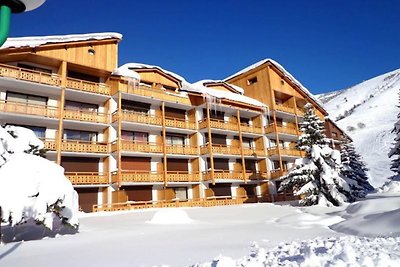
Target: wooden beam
[241,147]
[119,139]
[63,75]
[210,143]
[164,140]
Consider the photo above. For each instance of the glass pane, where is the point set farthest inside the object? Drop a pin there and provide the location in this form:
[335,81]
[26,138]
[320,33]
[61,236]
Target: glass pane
[14,97]
[126,135]
[37,100]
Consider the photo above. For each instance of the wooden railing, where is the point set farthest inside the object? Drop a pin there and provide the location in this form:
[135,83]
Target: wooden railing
[179,123]
[275,174]
[247,151]
[145,147]
[87,178]
[289,128]
[284,108]
[220,149]
[86,115]
[138,117]
[29,75]
[251,129]
[256,175]
[183,176]
[223,175]
[86,86]
[218,124]
[28,109]
[199,202]
[300,111]
[285,151]
[182,149]
[148,91]
[84,146]
[141,176]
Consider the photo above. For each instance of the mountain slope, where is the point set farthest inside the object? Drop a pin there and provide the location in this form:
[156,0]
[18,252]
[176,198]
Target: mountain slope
[367,112]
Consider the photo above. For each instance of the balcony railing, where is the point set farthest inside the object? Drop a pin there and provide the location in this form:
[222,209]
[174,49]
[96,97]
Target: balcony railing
[69,145]
[284,108]
[86,115]
[251,129]
[182,149]
[289,128]
[86,86]
[223,175]
[180,123]
[28,109]
[284,151]
[183,176]
[141,176]
[87,178]
[220,149]
[248,151]
[256,175]
[138,117]
[144,147]
[219,124]
[29,75]
[148,91]
[275,174]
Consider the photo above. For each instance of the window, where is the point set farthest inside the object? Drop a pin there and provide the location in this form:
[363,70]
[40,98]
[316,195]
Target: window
[83,76]
[80,106]
[245,121]
[169,88]
[247,142]
[142,108]
[177,140]
[214,114]
[252,81]
[80,135]
[26,99]
[180,193]
[140,137]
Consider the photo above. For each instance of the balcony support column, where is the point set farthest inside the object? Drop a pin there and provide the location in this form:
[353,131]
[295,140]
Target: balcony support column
[164,148]
[63,74]
[210,148]
[295,117]
[277,142]
[119,139]
[241,147]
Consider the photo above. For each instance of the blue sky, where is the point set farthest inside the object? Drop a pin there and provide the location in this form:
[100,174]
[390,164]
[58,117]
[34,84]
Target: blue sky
[326,45]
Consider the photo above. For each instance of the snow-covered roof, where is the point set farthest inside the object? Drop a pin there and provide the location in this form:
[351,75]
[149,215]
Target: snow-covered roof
[283,70]
[199,87]
[126,72]
[146,66]
[36,41]
[234,87]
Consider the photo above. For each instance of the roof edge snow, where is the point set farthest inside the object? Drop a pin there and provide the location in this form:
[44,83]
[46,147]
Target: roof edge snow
[134,65]
[35,41]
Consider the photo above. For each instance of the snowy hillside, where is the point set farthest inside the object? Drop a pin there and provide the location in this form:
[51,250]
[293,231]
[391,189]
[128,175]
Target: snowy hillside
[367,112]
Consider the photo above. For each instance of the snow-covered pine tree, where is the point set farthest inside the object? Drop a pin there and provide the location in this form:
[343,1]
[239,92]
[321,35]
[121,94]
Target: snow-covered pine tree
[316,177]
[395,150]
[354,170]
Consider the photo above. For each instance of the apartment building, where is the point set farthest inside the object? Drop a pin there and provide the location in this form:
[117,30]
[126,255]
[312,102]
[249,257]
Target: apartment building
[136,135]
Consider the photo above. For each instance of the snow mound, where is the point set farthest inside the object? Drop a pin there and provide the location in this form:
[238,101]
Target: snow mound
[342,251]
[371,218]
[308,221]
[391,186]
[170,216]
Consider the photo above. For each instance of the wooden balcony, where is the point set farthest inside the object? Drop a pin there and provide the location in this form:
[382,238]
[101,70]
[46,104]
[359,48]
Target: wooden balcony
[275,174]
[49,144]
[223,175]
[179,123]
[219,124]
[251,129]
[284,108]
[143,147]
[183,176]
[220,149]
[141,176]
[68,145]
[148,91]
[28,109]
[29,75]
[87,116]
[284,151]
[87,178]
[248,151]
[86,86]
[256,176]
[289,128]
[182,149]
[138,117]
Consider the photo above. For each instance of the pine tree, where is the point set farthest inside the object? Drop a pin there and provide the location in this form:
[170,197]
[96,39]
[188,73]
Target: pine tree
[395,150]
[316,177]
[354,170]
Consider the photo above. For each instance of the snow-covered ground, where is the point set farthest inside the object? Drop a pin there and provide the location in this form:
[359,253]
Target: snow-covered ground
[246,235]
[369,110]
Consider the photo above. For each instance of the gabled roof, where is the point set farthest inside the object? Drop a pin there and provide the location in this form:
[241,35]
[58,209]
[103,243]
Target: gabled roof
[284,72]
[231,87]
[36,41]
